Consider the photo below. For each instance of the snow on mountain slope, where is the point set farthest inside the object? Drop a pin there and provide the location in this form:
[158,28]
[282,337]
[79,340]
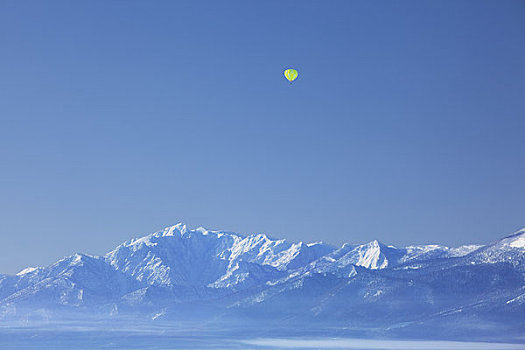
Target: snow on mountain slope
[516,240]
[433,251]
[27,270]
[510,250]
[174,256]
[375,256]
[178,268]
[74,280]
[277,253]
[178,256]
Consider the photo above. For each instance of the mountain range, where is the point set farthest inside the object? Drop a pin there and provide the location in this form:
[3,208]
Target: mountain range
[224,278]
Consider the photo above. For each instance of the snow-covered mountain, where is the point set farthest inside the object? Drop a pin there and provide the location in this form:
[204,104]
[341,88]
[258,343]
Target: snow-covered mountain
[177,256]
[178,273]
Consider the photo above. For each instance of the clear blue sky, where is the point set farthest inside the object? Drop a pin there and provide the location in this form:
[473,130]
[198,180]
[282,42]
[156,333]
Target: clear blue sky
[118,118]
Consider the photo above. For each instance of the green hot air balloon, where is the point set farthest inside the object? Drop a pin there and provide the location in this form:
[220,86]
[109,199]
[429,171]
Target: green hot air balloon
[290,74]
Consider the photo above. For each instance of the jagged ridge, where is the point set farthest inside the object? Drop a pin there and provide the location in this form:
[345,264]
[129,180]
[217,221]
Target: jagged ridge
[162,273]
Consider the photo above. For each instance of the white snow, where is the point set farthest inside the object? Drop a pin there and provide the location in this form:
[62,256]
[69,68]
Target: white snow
[27,270]
[518,242]
[194,260]
[463,250]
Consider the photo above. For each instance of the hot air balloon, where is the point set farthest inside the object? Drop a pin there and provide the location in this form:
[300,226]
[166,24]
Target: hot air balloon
[290,74]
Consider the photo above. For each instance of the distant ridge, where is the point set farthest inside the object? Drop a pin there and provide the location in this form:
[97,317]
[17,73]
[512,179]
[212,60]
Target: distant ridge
[179,273]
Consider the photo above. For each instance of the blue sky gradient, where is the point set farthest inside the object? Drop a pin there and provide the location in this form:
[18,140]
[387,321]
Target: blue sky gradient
[121,117]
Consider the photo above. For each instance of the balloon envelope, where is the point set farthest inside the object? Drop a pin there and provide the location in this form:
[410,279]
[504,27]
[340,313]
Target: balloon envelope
[290,74]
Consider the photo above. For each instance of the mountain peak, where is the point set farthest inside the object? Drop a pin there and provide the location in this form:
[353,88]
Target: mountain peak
[166,271]
[375,243]
[179,228]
